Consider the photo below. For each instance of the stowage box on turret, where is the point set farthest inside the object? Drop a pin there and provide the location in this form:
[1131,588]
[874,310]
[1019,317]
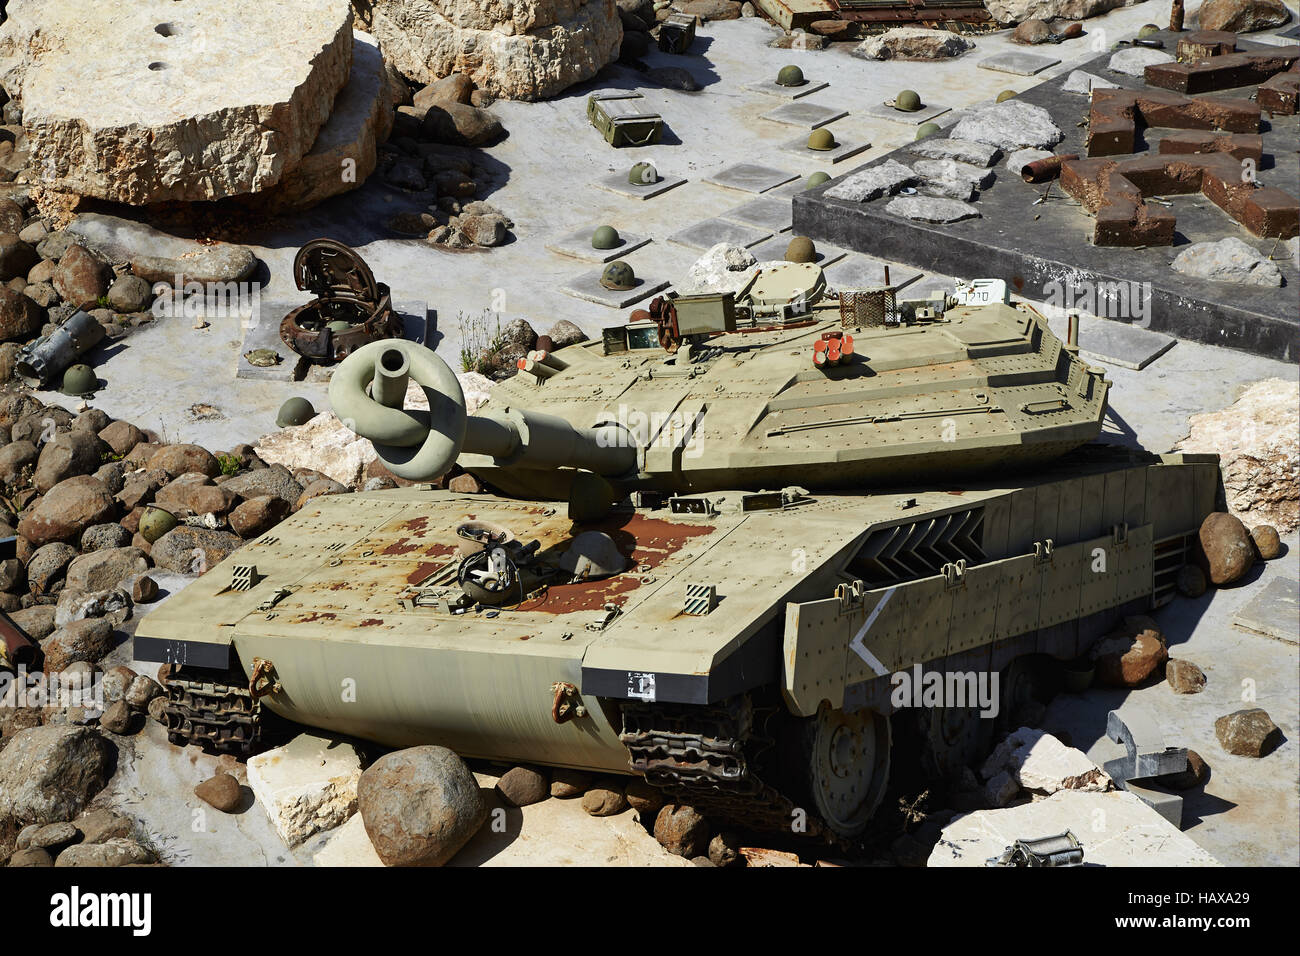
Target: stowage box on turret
[721,529]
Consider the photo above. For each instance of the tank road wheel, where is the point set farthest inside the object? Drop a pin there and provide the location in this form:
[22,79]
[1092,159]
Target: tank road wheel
[848,767]
[952,738]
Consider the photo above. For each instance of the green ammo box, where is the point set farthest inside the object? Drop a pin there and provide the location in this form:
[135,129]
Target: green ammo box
[677,33]
[623,120]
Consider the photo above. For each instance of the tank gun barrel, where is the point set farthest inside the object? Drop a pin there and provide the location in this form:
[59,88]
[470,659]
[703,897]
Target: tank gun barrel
[368,391]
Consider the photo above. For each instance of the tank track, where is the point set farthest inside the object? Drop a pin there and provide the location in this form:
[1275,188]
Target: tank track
[707,758]
[217,715]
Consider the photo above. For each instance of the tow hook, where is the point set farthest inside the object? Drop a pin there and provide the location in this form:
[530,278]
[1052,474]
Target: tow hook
[566,703]
[263,681]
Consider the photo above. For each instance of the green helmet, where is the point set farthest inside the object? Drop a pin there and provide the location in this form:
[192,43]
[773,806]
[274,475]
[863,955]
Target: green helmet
[339,325]
[618,275]
[295,411]
[1006,95]
[79,380]
[643,174]
[790,76]
[1147,29]
[605,237]
[816,179]
[821,139]
[155,522]
[800,249]
[925,129]
[909,101]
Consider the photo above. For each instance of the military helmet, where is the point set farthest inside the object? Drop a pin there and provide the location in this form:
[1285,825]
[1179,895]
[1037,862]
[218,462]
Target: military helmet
[642,174]
[816,179]
[1147,29]
[605,237]
[618,275]
[155,522]
[925,129]
[79,380]
[1006,95]
[800,249]
[790,76]
[338,325]
[821,139]
[909,101]
[296,411]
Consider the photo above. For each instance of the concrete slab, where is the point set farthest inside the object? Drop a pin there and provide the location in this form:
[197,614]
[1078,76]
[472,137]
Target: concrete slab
[1119,343]
[767,212]
[842,150]
[790,189]
[863,272]
[1021,64]
[805,115]
[307,785]
[617,183]
[774,249]
[710,232]
[577,244]
[263,332]
[925,114]
[1274,612]
[587,287]
[348,845]
[1115,829]
[772,88]
[750,178]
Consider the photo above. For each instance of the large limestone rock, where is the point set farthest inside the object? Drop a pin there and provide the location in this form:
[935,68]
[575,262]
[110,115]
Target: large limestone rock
[306,786]
[1258,441]
[521,50]
[48,774]
[156,256]
[173,101]
[1014,11]
[1038,761]
[1013,124]
[1228,260]
[1242,16]
[913,43]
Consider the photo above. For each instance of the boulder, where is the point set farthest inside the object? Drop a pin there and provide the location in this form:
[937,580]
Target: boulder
[48,774]
[195,494]
[118,719]
[276,480]
[17,258]
[522,786]
[420,806]
[644,798]
[88,639]
[564,333]
[1031,32]
[605,799]
[257,515]
[221,791]
[567,783]
[1010,125]
[681,830]
[1243,16]
[121,437]
[187,550]
[66,510]
[1130,655]
[1228,260]
[1008,12]
[173,119]
[723,268]
[1246,733]
[1184,677]
[104,537]
[324,444]
[1267,542]
[1227,548]
[32,856]
[724,849]
[81,278]
[70,453]
[912,43]
[99,826]
[526,50]
[1038,761]
[109,568]
[114,852]
[20,317]
[1195,774]
[1257,439]
[1191,581]
[458,124]
[48,565]
[455,88]
[177,460]
[308,785]
[112,604]
[37,621]
[156,256]
[129,293]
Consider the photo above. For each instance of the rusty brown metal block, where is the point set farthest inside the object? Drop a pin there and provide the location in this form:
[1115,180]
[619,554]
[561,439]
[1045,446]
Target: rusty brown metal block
[1281,94]
[1237,145]
[1222,72]
[1114,119]
[1206,43]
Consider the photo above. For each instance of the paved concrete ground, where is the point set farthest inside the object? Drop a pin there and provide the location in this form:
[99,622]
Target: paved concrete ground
[1249,812]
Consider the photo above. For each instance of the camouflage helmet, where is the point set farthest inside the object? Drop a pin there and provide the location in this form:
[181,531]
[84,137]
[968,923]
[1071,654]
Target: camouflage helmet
[79,380]
[155,522]
[800,249]
[790,76]
[295,411]
[605,237]
[338,325]
[909,101]
[642,174]
[926,129]
[816,179]
[1147,29]
[1006,95]
[821,139]
[618,275]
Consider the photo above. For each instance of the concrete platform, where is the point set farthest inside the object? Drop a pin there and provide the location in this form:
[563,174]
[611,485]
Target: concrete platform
[704,235]
[263,332]
[577,245]
[1044,250]
[587,287]
[750,178]
[927,113]
[775,247]
[1115,343]
[617,183]
[772,88]
[863,272]
[842,150]
[767,212]
[1021,64]
[1273,612]
[804,115]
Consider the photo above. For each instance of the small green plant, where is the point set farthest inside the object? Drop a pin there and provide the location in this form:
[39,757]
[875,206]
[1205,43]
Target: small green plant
[110,456]
[230,464]
[481,340]
[102,301]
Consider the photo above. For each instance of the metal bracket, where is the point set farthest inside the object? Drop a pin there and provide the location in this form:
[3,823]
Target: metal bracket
[610,612]
[263,680]
[1119,533]
[1148,758]
[1043,550]
[954,574]
[565,702]
[850,595]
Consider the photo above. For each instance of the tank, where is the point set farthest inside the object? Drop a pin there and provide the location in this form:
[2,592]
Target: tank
[856,486]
